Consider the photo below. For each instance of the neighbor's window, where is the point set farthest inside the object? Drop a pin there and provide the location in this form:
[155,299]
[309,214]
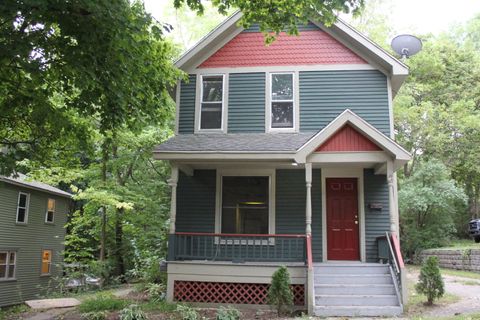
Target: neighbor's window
[245,205]
[22,207]
[211,104]
[7,264]
[46,261]
[49,216]
[282,101]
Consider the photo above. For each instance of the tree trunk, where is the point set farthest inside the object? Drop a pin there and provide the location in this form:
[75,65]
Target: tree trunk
[118,243]
[103,235]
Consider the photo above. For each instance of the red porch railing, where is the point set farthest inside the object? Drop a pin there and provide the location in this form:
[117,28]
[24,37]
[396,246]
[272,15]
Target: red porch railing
[238,247]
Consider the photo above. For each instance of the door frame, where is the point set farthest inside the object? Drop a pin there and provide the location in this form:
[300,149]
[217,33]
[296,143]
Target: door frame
[344,172]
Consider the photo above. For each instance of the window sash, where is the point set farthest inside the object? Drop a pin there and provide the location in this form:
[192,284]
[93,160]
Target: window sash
[24,208]
[8,265]
[51,206]
[275,125]
[204,104]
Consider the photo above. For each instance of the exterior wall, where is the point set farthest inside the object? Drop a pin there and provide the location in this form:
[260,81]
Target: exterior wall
[29,241]
[377,222]
[246,103]
[326,94]
[458,259]
[323,96]
[301,27]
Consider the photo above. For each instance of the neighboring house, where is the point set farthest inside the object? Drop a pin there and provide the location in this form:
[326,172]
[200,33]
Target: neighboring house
[284,155]
[32,231]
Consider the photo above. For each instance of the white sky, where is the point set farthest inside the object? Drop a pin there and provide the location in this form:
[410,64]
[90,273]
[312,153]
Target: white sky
[415,16]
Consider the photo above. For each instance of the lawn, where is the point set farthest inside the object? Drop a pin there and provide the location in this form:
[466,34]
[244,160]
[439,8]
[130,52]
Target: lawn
[462,244]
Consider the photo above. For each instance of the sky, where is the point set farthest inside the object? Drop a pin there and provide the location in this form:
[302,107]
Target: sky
[406,16]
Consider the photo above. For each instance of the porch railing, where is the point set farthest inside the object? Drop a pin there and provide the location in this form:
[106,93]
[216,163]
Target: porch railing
[237,247]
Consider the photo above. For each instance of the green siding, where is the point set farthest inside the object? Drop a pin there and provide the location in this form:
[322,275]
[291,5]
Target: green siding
[196,202]
[246,104]
[376,222]
[326,94]
[290,206]
[186,120]
[301,27]
[29,240]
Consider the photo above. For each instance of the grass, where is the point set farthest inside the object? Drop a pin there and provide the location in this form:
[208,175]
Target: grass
[462,244]
[102,302]
[7,312]
[474,316]
[161,306]
[451,272]
[468,282]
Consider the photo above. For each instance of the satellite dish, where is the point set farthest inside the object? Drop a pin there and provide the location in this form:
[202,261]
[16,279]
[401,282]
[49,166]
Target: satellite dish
[406,45]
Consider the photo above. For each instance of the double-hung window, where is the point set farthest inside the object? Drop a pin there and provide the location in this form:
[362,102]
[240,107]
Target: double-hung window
[50,214]
[211,102]
[282,101]
[8,261]
[22,207]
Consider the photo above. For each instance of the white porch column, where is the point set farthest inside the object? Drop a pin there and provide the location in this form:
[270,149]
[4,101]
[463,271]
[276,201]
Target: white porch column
[172,182]
[392,196]
[308,211]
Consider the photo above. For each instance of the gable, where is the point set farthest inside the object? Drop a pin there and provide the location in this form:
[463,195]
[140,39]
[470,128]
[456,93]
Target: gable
[347,139]
[312,47]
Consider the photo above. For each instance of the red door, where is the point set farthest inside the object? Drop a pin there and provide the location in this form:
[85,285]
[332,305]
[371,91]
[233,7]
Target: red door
[342,219]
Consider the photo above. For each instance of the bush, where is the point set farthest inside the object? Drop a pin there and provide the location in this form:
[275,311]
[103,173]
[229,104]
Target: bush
[102,302]
[132,312]
[155,291]
[280,294]
[228,313]
[96,315]
[187,313]
[430,282]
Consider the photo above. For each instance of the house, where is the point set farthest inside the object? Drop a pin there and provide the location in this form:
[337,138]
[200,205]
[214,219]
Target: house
[285,155]
[32,230]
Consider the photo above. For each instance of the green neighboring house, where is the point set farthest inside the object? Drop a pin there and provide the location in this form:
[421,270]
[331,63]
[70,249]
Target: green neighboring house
[32,220]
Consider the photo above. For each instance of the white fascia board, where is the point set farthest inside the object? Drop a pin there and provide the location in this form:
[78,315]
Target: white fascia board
[227,27]
[386,143]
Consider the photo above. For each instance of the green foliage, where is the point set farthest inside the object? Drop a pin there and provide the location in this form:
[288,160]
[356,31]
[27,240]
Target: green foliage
[228,313]
[102,302]
[427,199]
[156,291]
[278,15]
[430,280]
[280,294]
[187,313]
[94,315]
[132,312]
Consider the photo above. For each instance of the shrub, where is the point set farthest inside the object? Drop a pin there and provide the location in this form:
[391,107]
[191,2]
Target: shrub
[280,294]
[132,312]
[430,282]
[155,291]
[102,302]
[228,313]
[187,313]
[96,315]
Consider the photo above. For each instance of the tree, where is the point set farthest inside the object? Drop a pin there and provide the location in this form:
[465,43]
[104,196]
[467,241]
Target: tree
[280,294]
[427,200]
[430,282]
[278,15]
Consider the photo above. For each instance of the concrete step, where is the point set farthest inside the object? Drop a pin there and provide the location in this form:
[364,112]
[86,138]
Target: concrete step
[324,278]
[357,311]
[356,300]
[349,289]
[352,269]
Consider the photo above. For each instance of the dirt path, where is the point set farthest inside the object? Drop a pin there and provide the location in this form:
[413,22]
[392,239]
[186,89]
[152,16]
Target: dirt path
[468,290]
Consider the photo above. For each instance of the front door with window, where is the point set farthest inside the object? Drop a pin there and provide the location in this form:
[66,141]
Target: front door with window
[342,219]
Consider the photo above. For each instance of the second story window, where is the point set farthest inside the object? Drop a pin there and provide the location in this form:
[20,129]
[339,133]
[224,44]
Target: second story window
[211,102]
[282,101]
[22,207]
[50,214]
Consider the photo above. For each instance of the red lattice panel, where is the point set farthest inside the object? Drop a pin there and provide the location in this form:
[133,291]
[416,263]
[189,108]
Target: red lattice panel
[229,293]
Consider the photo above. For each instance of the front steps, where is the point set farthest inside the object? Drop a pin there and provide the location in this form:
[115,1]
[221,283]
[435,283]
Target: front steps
[355,290]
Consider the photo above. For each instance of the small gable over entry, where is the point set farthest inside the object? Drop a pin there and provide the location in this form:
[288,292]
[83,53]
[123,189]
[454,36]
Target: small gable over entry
[347,139]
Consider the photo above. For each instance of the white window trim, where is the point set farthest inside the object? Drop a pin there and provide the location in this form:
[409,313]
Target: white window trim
[270,173]
[8,264]
[27,204]
[54,211]
[198,103]
[344,172]
[268,102]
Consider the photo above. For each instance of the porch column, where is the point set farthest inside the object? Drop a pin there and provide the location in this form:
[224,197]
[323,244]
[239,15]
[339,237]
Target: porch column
[308,211]
[172,182]
[392,196]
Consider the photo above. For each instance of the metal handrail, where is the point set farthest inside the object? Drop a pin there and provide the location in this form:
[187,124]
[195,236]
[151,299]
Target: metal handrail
[392,253]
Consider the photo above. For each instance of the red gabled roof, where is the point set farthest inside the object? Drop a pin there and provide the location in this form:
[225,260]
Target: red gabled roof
[248,49]
[348,139]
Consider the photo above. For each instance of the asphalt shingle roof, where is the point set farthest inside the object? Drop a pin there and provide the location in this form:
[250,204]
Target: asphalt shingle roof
[235,142]
[21,179]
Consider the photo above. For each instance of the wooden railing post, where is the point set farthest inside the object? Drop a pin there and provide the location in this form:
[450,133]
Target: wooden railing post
[310,277]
